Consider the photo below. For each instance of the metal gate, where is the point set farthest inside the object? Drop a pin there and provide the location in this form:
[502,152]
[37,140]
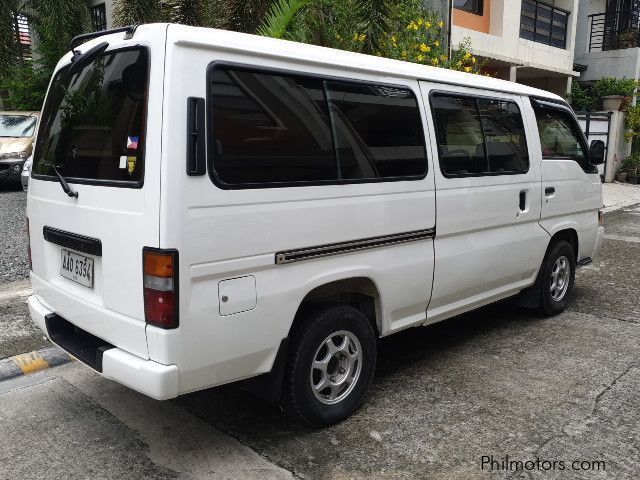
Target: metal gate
[597,126]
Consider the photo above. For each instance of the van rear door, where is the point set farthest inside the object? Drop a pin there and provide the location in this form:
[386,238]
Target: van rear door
[100,134]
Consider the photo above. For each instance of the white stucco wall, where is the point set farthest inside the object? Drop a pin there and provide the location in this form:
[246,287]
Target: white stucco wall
[623,63]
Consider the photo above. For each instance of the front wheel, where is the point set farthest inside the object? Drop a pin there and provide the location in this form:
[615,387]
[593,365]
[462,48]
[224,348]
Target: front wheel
[330,366]
[556,278]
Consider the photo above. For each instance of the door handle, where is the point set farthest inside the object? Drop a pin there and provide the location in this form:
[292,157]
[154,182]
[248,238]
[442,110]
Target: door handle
[523,201]
[549,191]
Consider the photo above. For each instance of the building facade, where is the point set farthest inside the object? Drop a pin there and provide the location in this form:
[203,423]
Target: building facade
[525,41]
[608,39]
[101,14]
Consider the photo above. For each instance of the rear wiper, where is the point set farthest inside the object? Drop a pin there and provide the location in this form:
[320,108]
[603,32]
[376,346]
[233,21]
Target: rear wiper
[64,184]
[80,60]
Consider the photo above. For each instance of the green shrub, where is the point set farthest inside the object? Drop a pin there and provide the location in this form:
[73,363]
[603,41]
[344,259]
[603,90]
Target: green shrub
[582,96]
[606,86]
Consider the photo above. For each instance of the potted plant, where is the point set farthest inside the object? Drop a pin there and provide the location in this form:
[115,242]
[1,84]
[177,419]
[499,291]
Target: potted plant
[630,166]
[616,93]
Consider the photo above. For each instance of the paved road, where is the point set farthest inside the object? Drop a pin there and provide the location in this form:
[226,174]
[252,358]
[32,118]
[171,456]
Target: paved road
[499,381]
[17,333]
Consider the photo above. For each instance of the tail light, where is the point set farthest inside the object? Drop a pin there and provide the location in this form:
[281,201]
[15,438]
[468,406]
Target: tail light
[29,245]
[160,270]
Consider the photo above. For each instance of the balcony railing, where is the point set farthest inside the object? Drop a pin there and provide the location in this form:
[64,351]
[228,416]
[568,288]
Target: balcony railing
[544,23]
[614,30]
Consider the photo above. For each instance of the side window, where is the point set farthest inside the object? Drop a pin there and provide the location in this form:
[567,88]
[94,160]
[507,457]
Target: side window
[504,136]
[459,135]
[277,129]
[378,131]
[560,135]
[479,136]
[269,128]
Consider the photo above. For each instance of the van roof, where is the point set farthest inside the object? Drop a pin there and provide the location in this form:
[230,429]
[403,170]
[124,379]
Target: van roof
[311,54]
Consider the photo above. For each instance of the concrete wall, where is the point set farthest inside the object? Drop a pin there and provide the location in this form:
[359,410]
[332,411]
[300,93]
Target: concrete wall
[623,63]
[503,41]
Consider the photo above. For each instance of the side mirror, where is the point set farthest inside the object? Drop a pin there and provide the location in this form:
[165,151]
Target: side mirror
[596,152]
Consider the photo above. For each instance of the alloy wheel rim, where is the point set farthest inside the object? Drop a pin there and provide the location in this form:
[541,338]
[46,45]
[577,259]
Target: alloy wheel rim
[560,276]
[336,367]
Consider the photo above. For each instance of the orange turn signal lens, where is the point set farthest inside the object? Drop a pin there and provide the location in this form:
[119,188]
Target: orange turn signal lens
[158,264]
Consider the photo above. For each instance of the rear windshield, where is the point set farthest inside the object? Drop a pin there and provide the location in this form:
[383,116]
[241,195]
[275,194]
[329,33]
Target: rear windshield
[17,125]
[92,126]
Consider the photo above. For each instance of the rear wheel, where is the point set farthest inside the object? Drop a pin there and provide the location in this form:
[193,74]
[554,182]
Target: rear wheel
[556,278]
[330,366]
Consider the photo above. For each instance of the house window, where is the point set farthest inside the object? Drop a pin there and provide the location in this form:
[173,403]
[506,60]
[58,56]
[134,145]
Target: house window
[471,6]
[99,17]
[544,23]
[24,36]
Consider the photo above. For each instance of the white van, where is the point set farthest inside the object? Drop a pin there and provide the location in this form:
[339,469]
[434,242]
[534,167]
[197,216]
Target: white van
[208,206]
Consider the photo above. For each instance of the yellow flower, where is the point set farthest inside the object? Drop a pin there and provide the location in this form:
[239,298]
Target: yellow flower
[393,38]
[444,58]
[434,61]
[427,25]
[420,21]
[467,69]
[410,26]
[420,58]
[437,43]
[425,48]
[441,24]
[473,59]
[362,37]
[467,55]
[404,54]
[355,37]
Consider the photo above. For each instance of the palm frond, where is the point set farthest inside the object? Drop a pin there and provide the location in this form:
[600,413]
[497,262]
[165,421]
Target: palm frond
[215,14]
[280,17]
[186,12]
[246,15]
[131,12]
[374,21]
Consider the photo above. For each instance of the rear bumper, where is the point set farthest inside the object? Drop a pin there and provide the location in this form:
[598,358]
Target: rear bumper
[145,376]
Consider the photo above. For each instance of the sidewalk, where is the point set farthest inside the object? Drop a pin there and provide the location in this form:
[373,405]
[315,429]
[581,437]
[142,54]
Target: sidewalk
[619,195]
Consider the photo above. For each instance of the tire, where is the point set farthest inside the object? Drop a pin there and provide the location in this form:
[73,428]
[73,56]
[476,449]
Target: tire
[559,266]
[347,369]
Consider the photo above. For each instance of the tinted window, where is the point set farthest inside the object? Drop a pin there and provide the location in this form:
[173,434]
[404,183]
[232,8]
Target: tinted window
[479,136]
[560,136]
[459,134]
[270,128]
[378,131]
[504,136]
[92,125]
[278,129]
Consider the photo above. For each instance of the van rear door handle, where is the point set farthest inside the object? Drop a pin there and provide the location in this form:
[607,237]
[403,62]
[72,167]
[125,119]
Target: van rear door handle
[549,191]
[523,201]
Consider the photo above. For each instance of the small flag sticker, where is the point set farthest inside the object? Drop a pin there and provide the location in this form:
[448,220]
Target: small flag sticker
[132,142]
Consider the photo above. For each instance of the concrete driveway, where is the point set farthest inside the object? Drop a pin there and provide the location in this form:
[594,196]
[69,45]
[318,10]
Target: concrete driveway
[445,402]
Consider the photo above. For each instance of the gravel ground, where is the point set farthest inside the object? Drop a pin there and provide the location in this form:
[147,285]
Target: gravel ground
[13,237]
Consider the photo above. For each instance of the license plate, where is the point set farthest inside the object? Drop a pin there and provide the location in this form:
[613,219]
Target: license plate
[77,268]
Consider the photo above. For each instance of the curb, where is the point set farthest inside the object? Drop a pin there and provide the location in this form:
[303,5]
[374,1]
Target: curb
[31,362]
